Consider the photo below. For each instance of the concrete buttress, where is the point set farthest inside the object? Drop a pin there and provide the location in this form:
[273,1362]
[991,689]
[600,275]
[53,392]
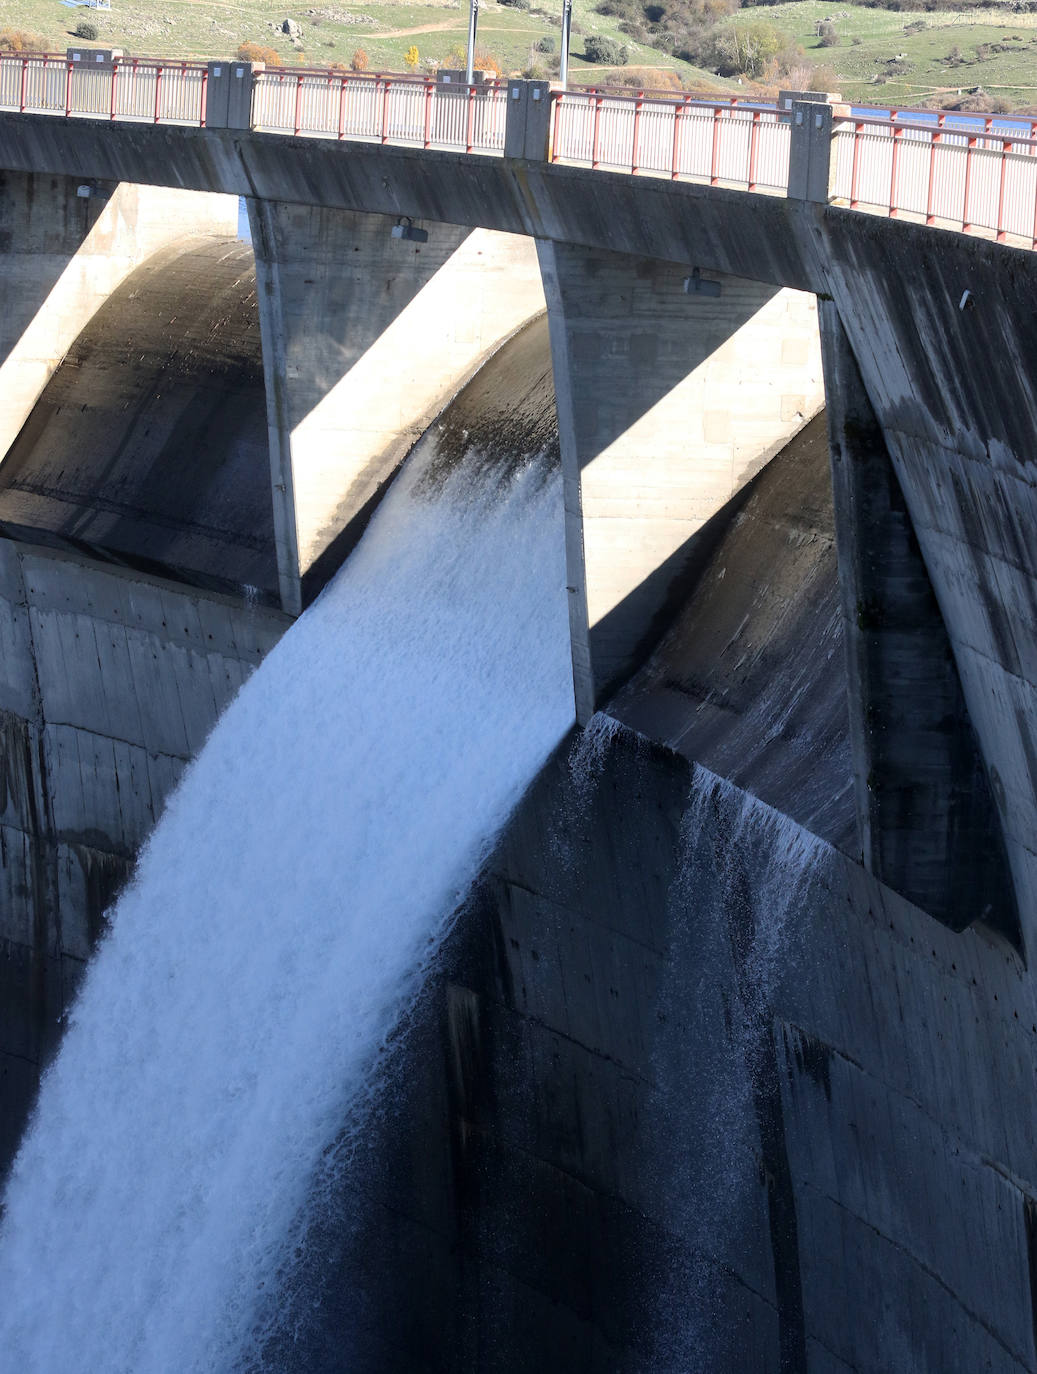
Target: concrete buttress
[673,390]
[66,243]
[366,336]
[926,818]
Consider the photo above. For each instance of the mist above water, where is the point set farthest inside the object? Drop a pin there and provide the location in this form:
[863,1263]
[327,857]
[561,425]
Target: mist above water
[232,1022]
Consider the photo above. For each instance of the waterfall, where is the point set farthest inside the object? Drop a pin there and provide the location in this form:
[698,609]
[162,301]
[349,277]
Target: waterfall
[749,877]
[277,929]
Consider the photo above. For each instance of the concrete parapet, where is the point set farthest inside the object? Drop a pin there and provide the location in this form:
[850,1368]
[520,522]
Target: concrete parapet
[527,131]
[65,245]
[673,390]
[926,818]
[228,95]
[366,335]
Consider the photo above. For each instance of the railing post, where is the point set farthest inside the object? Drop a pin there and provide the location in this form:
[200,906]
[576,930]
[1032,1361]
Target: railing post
[158,90]
[675,151]
[810,152]
[1006,148]
[469,118]
[713,177]
[385,111]
[297,115]
[898,136]
[970,148]
[934,143]
[68,87]
[204,110]
[552,152]
[342,109]
[430,87]
[24,84]
[754,144]
[596,131]
[636,149]
[855,171]
[115,75]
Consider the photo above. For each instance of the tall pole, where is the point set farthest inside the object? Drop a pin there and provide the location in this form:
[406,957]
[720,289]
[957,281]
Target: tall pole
[563,65]
[473,19]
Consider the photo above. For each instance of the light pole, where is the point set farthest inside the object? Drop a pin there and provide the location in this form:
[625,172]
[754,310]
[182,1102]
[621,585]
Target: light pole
[473,20]
[563,64]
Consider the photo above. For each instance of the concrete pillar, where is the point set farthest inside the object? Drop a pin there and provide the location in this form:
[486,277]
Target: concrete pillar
[928,828]
[366,336]
[810,152]
[673,390]
[65,245]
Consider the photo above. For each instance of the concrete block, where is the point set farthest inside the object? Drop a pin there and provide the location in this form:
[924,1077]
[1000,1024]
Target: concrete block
[228,99]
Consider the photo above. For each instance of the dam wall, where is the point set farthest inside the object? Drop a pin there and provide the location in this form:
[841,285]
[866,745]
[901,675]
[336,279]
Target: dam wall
[688,1088]
[947,355]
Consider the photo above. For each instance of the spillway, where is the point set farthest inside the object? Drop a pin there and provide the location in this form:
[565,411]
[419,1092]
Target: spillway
[234,1020]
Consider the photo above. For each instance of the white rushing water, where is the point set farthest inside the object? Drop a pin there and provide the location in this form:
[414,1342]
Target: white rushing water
[277,929]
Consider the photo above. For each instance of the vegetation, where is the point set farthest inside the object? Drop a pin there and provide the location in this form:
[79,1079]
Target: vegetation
[605,52]
[878,51]
[20,40]
[255,52]
[87,31]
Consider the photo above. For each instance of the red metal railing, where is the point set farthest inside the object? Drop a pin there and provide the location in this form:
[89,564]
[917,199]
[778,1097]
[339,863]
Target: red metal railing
[722,142]
[408,110]
[157,91]
[974,179]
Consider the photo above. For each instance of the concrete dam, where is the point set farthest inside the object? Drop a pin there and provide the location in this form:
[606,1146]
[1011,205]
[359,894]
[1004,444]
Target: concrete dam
[429,1030]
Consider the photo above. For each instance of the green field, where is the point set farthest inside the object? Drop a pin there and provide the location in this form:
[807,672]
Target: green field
[944,55]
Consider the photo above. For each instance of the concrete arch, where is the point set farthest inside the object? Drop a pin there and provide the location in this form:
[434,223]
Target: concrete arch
[66,243]
[148,445]
[367,335]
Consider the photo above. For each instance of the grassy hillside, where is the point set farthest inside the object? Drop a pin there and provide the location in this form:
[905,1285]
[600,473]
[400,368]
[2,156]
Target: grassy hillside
[880,56]
[942,53]
[332,33]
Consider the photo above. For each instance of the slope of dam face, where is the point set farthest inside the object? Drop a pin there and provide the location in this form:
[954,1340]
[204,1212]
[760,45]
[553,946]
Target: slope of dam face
[750,679]
[149,444]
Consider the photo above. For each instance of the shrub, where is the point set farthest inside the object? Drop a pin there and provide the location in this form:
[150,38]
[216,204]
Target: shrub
[545,44]
[828,35]
[21,40]
[515,4]
[603,51]
[255,52]
[411,58]
[87,31]
[359,61]
[486,62]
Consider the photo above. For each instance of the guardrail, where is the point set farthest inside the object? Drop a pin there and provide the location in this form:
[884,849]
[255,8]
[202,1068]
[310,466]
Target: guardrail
[943,174]
[948,170]
[722,143]
[412,111]
[142,89]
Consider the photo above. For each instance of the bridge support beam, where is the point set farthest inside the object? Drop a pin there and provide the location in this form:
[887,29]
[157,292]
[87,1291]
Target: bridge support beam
[673,391]
[66,243]
[366,336]
[927,824]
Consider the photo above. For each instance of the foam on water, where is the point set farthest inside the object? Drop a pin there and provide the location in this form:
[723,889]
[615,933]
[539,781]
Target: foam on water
[276,931]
